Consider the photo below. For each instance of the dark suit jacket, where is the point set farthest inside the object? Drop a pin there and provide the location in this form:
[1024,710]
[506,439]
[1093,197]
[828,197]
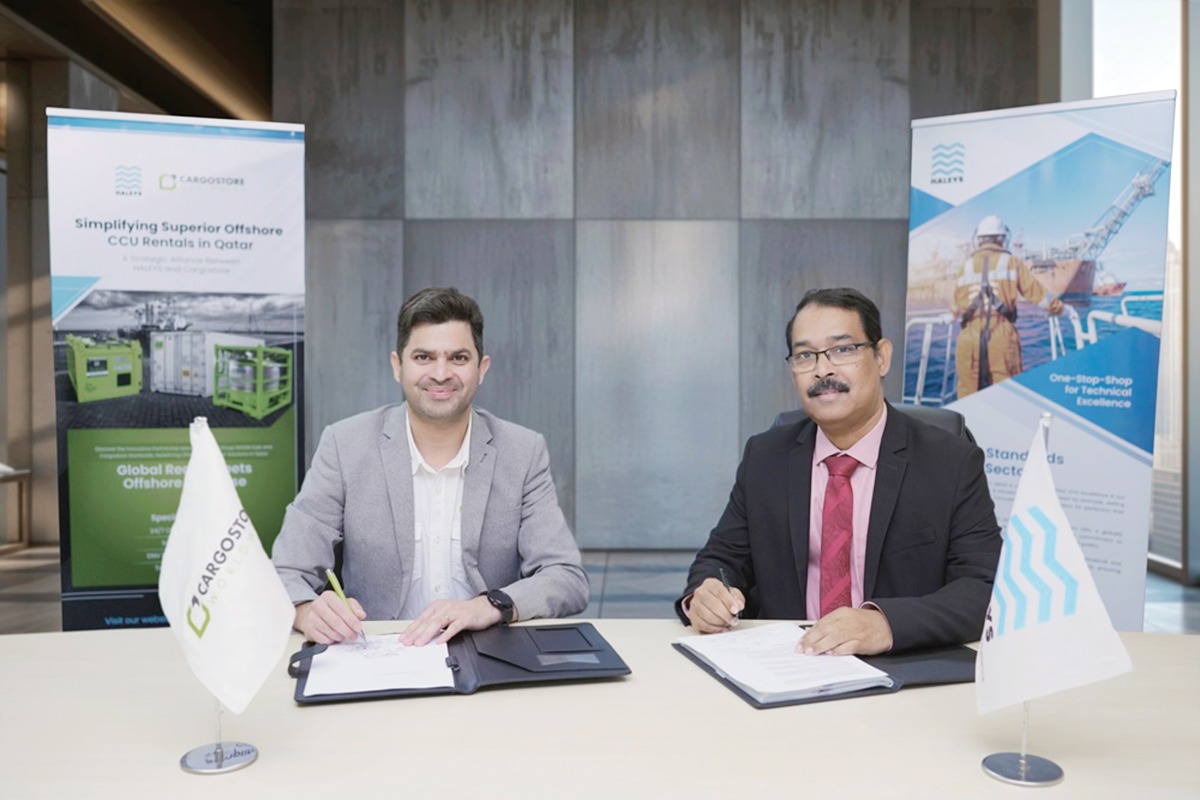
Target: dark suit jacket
[932,540]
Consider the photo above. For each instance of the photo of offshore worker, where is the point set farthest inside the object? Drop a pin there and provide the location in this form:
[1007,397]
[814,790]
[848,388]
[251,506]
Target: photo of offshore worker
[984,302]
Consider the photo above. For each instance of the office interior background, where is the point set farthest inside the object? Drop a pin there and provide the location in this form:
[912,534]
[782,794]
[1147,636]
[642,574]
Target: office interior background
[636,191]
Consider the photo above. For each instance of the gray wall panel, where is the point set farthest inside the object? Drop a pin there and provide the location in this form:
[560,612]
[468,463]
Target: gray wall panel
[354,279]
[973,55]
[339,69]
[825,109]
[656,380]
[488,110]
[522,275]
[657,109]
[780,261]
[496,128]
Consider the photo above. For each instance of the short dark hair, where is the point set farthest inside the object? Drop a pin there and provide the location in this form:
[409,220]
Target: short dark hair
[845,298]
[435,306]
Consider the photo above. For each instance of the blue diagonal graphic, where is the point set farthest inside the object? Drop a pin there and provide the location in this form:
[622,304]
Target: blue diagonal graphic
[1053,564]
[1005,577]
[66,292]
[1042,588]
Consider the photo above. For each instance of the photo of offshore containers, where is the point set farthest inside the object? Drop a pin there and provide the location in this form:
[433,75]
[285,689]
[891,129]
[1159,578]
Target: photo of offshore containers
[238,372]
[254,380]
[184,362]
[101,369]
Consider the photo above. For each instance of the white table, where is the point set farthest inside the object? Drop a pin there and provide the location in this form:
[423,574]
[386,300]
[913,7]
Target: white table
[109,713]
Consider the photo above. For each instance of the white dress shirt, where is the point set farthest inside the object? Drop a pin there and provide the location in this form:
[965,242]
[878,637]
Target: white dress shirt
[437,572]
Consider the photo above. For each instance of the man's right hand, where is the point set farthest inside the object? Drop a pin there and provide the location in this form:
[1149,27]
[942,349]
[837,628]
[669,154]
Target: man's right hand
[714,608]
[326,620]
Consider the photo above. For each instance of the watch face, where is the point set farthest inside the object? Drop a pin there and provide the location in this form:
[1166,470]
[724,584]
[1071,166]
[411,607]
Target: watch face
[501,602]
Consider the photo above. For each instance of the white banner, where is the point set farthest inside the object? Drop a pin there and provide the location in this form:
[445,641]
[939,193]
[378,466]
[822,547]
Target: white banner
[1037,252]
[146,211]
[177,291]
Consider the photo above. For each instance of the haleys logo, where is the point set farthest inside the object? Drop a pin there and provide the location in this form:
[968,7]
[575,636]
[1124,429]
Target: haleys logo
[127,180]
[947,163]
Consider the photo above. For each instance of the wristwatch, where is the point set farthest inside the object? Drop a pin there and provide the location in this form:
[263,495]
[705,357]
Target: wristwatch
[503,603]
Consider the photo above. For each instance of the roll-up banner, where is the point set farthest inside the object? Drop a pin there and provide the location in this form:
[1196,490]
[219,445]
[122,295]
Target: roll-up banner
[1036,262]
[177,283]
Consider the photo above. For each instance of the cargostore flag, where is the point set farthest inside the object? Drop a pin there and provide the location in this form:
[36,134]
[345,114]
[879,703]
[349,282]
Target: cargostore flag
[218,589]
[1046,629]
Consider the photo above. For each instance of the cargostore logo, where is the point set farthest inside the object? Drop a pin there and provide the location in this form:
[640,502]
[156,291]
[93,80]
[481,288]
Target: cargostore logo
[217,573]
[1032,585]
[947,163]
[170,181]
[127,180]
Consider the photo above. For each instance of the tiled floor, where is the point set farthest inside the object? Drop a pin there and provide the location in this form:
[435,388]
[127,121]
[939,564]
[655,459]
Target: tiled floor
[625,583]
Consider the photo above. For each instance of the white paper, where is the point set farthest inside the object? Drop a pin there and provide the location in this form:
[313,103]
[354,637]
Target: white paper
[764,662]
[380,663]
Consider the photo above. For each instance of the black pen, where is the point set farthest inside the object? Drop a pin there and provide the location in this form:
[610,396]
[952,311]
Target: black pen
[725,581]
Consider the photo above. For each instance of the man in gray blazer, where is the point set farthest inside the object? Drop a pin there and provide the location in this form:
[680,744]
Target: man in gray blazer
[445,514]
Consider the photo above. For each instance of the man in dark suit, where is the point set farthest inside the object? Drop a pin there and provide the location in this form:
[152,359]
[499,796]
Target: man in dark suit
[879,527]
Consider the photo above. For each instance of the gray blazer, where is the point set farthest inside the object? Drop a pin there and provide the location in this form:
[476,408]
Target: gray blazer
[359,493]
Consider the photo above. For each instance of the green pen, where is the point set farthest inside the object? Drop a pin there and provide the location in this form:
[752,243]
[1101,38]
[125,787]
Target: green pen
[337,588]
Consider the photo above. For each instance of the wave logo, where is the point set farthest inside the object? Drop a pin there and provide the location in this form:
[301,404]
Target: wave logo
[947,162]
[127,180]
[1032,585]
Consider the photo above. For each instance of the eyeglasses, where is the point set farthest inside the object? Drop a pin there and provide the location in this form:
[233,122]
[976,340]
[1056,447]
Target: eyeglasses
[840,355]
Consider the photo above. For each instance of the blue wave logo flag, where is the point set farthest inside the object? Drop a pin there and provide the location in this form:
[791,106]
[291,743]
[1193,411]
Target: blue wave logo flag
[947,163]
[127,180]
[1057,596]
[1046,627]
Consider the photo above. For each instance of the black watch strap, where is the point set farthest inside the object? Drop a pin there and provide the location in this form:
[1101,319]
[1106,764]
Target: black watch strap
[502,602]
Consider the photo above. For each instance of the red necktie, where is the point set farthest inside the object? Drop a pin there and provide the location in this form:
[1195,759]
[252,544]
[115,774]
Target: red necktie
[837,533]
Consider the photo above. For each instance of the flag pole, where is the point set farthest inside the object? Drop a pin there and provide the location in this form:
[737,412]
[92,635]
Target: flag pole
[1023,769]
[220,756]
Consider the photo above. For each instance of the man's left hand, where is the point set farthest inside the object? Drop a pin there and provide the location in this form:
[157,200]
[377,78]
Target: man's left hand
[848,631]
[443,619]
[1055,307]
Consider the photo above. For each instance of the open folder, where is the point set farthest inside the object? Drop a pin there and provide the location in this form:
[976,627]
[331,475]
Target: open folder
[760,666]
[472,660]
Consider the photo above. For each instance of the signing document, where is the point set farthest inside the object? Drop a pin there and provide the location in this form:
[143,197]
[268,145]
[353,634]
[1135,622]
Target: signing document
[378,663]
[763,661]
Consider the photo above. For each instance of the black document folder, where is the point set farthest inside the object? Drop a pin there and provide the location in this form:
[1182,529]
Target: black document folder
[497,656]
[938,665]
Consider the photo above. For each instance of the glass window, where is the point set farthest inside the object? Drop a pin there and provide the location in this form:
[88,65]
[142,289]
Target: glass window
[1138,47]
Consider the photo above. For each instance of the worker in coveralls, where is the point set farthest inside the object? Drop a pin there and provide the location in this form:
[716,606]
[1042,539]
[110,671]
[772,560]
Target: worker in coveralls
[985,301]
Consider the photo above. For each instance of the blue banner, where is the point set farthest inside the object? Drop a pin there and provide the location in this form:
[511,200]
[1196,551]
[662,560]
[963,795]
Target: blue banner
[1037,252]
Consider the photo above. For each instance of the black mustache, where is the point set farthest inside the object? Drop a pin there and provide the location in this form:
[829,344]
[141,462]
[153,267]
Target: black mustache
[825,384]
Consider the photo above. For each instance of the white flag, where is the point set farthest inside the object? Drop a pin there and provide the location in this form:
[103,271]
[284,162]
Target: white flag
[1047,629]
[218,589]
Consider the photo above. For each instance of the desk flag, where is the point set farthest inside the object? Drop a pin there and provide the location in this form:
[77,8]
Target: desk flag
[1046,628]
[218,589]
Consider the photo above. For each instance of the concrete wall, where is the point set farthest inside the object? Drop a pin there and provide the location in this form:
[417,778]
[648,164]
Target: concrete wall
[636,191]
